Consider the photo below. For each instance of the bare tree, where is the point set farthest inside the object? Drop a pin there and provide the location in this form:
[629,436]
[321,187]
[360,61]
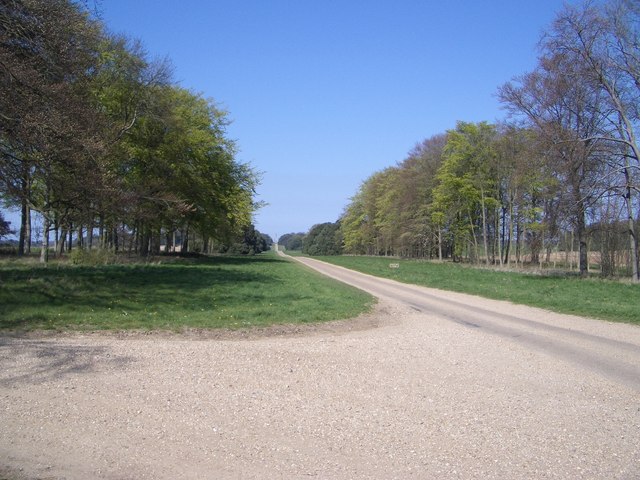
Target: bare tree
[605,42]
[567,112]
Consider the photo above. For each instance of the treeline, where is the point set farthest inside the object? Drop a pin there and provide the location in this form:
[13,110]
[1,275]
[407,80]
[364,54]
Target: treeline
[322,239]
[99,140]
[562,174]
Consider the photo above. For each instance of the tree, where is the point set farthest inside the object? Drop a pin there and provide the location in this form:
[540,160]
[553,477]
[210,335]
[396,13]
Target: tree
[250,242]
[323,239]
[566,112]
[94,132]
[292,241]
[466,194]
[604,41]
[48,135]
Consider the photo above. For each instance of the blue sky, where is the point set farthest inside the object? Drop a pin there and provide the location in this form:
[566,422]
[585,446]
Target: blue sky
[324,93]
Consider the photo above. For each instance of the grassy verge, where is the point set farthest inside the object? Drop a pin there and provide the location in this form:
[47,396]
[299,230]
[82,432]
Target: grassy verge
[229,292]
[608,300]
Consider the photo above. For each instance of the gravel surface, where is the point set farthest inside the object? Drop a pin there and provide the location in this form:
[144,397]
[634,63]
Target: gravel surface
[399,393]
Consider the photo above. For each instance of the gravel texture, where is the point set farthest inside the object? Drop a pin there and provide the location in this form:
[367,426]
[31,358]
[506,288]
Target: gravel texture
[395,394]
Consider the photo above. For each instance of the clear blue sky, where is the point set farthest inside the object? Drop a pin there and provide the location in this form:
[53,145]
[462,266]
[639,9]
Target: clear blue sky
[324,93]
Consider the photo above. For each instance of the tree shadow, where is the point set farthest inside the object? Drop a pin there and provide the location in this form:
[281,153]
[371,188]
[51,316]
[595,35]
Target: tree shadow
[34,362]
[34,291]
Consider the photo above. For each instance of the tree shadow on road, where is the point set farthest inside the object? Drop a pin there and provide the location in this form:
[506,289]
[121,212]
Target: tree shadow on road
[40,361]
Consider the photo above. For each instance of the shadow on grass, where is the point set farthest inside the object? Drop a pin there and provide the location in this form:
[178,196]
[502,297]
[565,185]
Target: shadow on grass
[38,361]
[223,259]
[35,291]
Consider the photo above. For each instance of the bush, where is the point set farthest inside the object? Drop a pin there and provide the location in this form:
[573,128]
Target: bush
[100,256]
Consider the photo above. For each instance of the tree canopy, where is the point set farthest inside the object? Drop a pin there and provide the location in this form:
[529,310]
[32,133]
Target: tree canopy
[95,136]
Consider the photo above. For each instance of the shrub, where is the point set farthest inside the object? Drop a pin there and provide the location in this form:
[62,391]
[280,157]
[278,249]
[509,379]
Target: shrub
[94,257]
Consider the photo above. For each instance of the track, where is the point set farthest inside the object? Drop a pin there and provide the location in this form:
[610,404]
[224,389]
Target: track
[590,344]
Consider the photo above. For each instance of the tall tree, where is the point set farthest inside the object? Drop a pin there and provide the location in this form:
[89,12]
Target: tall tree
[466,194]
[49,130]
[605,41]
[566,112]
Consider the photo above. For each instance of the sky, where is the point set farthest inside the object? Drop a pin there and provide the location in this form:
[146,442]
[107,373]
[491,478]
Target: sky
[322,94]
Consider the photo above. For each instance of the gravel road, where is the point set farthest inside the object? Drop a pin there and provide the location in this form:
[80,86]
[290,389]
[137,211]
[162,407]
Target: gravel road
[430,385]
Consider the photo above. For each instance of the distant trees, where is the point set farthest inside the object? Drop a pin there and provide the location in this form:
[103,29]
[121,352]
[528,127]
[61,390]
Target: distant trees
[250,242]
[292,241]
[323,239]
[389,215]
[95,137]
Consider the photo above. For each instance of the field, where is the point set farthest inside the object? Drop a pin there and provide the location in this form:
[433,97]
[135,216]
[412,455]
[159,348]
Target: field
[173,294]
[597,298]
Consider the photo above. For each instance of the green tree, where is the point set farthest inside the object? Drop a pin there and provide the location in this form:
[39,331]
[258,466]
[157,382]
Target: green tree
[292,241]
[49,133]
[323,239]
[467,194]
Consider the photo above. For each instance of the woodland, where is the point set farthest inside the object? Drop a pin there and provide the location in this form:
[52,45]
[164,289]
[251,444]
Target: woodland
[99,141]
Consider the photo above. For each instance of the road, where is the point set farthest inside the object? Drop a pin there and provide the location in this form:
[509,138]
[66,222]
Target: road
[601,347]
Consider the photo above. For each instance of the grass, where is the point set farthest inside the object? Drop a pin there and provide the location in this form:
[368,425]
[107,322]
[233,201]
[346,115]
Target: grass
[597,298]
[215,292]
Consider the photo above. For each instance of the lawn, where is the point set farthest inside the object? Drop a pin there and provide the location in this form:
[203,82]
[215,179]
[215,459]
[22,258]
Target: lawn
[597,298]
[213,292]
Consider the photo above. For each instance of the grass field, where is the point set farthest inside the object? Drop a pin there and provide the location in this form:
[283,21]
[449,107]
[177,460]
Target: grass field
[229,292]
[597,298]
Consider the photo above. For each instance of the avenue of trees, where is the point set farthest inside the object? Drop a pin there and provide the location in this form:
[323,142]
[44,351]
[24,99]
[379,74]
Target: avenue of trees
[98,140]
[561,175]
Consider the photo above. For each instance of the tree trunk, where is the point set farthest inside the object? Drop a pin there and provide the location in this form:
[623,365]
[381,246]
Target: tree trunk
[80,240]
[61,238]
[185,239]
[70,239]
[44,252]
[507,258]
[101,232]
[633,236]
[484,229]
[24,221]
[90,235]
[116,239]
[500,233]
[473,251]
[144,241]
[155,242]
[583,255]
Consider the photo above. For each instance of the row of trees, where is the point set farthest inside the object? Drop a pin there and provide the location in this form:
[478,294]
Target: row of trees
[98,140]
[564,171]
[322,239]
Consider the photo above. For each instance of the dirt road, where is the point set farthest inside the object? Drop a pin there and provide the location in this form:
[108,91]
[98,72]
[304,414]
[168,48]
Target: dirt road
[592,345]
[441,386]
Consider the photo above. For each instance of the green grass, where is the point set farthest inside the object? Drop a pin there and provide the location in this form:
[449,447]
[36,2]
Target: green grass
[597,298]
[229,292]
